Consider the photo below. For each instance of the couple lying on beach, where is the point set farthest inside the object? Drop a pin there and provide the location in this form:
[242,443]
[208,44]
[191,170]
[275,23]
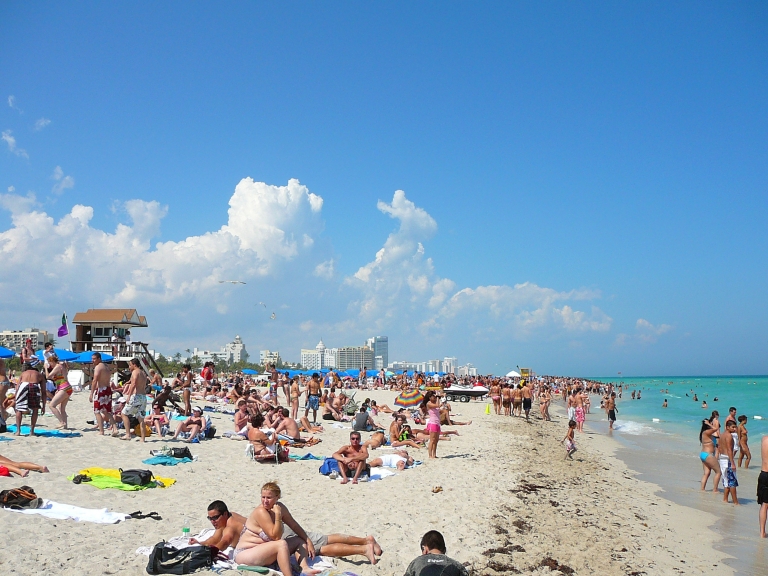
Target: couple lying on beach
[270,535]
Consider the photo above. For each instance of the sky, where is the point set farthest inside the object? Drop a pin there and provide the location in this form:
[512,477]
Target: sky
[579,188]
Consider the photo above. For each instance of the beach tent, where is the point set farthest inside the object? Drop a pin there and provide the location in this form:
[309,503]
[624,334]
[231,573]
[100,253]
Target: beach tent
[513,374]
[249,371]
[6,352]
[62,354]
[87,357]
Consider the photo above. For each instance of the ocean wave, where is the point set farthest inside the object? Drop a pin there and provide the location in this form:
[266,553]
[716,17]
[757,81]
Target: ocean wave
[634,428]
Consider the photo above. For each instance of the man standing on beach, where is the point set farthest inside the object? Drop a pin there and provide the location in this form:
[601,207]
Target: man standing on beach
[136,405]
[731,415]
[313,397]
[610,406]
[762,486]
[527,399]
[728,463]
[101,394]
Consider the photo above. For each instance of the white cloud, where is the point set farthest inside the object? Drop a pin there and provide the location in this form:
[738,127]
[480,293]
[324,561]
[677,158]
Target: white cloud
[266,227]
[12,104]
[62,182]
[8,138]
[325,269]
[41,123]
[645,332]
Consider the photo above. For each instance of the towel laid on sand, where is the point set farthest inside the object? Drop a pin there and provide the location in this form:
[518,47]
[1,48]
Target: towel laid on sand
[4,439]
[165,461]
[307,456]
[44,432]
[110,478]
[57,511]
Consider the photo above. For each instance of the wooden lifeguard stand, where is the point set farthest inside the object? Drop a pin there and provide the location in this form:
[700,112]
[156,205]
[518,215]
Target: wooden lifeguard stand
[106,330]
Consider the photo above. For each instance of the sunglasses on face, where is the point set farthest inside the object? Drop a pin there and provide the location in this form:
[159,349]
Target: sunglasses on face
[215,518]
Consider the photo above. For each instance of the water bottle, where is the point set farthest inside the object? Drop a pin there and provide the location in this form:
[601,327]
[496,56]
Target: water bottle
[185,528]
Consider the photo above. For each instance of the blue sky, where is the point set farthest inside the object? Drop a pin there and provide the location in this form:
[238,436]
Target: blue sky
[612,157]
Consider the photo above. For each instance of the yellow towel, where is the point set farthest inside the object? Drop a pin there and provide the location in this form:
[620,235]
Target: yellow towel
[115,473]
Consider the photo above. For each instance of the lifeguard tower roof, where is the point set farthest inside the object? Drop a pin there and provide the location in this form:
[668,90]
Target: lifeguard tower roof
[111,316]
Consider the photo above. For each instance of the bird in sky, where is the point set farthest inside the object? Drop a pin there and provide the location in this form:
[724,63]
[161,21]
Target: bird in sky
[231,282]
[273,316]
[261,304]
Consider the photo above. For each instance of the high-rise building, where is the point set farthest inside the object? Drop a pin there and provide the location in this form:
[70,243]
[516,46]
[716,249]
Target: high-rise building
[354,358]
[467,370]
[380,347]
[15,339]
[231,352]
[268,357]
[320,357]
[450,364]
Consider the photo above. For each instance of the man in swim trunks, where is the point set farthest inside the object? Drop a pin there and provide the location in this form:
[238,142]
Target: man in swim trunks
[136,404]
[398,459]
[101,394]
[728,463]
[227,526]
[762,486]
[4,385]
[352,459]
[610,406]
[313,397]
[527,399]
[29,399]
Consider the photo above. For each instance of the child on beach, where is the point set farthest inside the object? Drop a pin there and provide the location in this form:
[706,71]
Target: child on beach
[570,444]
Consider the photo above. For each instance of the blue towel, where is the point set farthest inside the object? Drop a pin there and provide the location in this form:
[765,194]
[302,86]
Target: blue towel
[44,432]
[4,439]
[180,417]
[307,456]
[165,461]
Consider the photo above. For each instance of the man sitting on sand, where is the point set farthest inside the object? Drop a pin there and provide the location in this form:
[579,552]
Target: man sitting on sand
[433,560]
[288,429]
[398,459]
[351,459]
[228,526]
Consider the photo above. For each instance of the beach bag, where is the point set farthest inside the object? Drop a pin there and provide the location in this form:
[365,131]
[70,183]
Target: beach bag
[210,432]
[329,465]
[136,477]
[20,498]
[181,453]
[147,429]
[167,560]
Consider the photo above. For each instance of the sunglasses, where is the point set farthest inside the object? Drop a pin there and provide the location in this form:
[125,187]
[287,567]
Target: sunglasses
[215,518]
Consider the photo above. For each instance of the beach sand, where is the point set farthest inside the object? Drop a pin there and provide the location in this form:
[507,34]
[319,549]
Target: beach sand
[508,503]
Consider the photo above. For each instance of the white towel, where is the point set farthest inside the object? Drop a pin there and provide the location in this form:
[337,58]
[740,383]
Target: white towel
[379,473]
[57,511]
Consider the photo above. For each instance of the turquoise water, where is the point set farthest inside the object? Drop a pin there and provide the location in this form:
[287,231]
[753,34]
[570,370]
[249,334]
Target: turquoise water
[749,394]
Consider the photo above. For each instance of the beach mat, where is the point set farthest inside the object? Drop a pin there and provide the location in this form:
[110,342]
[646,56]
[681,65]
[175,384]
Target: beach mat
[165,461]
[103,478]
[43,432]
[5,439]
[307,456]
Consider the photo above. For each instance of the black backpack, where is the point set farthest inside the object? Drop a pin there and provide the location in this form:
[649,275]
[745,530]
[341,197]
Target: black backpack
[167,560]
[20,498]
[136,477]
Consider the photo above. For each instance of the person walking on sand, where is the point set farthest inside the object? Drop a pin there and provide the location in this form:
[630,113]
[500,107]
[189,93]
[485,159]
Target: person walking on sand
[743,444]
[610,407]
[569,440]
[762,486]
[29,398]
[727,461]
[527,399]
[58,405]
[431,406]
[136,404]
[707,454]
[101,394]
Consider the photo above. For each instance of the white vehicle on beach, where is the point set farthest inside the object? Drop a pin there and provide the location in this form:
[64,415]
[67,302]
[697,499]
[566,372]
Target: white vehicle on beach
[463,393]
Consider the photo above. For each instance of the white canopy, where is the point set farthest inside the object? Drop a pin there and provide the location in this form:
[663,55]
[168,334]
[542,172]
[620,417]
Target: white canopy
[513,374]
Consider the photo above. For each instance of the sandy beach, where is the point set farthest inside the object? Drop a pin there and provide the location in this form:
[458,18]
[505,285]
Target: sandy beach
[509,503]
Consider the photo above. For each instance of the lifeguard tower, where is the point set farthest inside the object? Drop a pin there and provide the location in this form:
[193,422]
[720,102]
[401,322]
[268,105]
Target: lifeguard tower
[110,330]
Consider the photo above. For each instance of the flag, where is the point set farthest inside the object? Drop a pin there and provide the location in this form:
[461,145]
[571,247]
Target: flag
[63,330]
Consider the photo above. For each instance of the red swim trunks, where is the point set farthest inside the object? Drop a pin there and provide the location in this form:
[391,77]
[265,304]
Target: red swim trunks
[103,401]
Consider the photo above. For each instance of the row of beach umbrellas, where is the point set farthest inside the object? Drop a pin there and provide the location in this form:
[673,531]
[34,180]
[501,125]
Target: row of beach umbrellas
[62,354]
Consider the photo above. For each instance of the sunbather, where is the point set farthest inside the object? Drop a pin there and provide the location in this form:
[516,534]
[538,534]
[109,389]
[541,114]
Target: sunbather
[227,525]
[263,445]
[398,459]
[192,425]
[157,419]
[21,468]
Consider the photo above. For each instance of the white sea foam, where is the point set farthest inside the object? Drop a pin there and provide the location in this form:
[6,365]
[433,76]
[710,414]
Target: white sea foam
[634,428]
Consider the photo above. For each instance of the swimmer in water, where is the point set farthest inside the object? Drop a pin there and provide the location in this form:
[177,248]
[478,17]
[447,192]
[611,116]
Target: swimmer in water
[704,404]
[665,403]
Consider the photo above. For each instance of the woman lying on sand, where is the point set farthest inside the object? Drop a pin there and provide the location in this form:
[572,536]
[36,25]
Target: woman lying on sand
[21,468]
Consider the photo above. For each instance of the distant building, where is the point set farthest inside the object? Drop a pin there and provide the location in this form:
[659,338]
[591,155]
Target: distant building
[268,357]
[354,358]
[320,357]
[15,339]
[232,352]
[380,347]
[467,370]
[450,365]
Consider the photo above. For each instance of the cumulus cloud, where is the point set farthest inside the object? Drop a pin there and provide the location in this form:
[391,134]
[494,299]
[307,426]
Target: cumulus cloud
[645,332]
[8,138]
[266,227]
[325,269]
[62,182]
[41,123]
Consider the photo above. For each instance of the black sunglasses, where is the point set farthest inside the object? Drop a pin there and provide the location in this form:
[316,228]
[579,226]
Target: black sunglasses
[215,518]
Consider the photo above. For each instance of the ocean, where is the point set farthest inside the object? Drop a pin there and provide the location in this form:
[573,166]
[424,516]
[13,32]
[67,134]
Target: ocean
[662,445]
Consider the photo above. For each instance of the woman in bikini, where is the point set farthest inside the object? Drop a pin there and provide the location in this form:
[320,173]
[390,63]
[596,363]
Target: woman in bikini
[263,445]
[496,397]
[506,400]
[261,542]
[186,388]
[295,393]
[193,425]
[430,406]
[743,437]
[58,373]
[708,455]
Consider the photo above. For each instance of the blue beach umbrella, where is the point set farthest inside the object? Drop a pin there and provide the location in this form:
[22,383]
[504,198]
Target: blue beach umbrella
[87,357]
[6,352]
[62,354]
[249,371]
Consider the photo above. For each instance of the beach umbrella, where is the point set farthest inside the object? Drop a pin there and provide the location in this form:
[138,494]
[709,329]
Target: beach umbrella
[372,373]
[87,357]
[62,354]
[6,352]
[249,371]
[354,372]
[409,399]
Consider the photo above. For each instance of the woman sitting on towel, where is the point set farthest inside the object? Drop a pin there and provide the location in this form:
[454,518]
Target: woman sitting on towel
[20,468]
[261,542]
[263,445]
[193,425]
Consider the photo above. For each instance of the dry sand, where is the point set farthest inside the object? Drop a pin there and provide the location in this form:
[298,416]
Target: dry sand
[509,503]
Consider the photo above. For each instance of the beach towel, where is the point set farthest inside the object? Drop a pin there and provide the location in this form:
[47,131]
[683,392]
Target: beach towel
[4,439]
[308,456]
[57,511]
[44,432]
[103,478]
[379,473]
[165,461]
